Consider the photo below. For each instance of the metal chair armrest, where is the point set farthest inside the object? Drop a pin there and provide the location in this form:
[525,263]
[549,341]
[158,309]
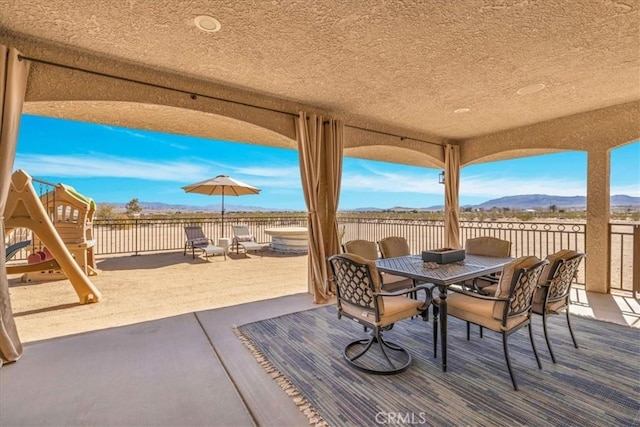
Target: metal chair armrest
[404,291]
[487,278]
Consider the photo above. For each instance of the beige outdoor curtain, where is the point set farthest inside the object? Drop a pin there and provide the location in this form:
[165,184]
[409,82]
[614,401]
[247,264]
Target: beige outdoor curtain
[13,83]
[451,196]
[320,146]
[334,154]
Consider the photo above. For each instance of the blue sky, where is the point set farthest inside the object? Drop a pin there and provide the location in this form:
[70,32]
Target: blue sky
[114,165]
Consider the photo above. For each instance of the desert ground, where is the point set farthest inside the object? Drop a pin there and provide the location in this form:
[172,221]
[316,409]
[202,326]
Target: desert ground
[137,288]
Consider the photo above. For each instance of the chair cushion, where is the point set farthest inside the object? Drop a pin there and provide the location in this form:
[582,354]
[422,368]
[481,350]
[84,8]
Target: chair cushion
[490,290]
[480,312]
[488,246]
[391,247]
[392,282]
[553,307]
[200,242]
[250,245]
[395,309]
[364,248]
[244,238]
[503,288]
[538,296]
[545,276]
[363,315]
[553,260]
[398,308]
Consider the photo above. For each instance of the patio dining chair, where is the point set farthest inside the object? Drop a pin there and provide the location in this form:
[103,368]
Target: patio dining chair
[196,240]
[361,298]
[395,246]
[553,293]
[506,312]
[369,250]
[242,237]
[554,287]
[487,246]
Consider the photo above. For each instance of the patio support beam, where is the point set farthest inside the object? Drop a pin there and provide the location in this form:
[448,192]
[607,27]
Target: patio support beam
[597,229]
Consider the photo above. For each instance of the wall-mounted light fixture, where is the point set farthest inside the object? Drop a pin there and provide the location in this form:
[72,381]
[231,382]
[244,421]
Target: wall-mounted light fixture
[441,178]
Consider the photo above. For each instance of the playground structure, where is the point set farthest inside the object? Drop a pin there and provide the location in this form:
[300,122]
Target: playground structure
[61,222]
[72,216]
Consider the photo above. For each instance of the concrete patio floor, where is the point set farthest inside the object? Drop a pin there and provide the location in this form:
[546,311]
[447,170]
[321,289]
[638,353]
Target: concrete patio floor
[159,349]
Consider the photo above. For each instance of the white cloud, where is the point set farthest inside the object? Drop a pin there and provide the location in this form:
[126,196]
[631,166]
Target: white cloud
[391,183]
[471,186]
[284,183]
[194,170]
[268,172]
[128,132]
[375,179]
[493,187]
[137,134]
[288,177]
[109,167]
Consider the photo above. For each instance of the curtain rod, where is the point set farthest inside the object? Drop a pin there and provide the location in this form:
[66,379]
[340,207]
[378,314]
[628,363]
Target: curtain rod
[195,95]
[402,138]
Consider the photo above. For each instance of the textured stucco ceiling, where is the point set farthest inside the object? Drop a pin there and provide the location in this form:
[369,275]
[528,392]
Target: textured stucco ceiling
[401,66]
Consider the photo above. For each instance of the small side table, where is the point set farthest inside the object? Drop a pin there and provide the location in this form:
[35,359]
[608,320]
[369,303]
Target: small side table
[224,243]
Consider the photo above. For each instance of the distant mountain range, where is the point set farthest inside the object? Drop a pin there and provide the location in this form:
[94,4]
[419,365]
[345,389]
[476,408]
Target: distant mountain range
[520,202]
[527,201]
[544,201]
[159,207]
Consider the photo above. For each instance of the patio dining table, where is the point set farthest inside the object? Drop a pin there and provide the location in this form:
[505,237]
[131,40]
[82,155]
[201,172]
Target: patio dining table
[443,276]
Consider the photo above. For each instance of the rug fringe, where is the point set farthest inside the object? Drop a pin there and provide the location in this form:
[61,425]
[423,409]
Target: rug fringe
[292,391]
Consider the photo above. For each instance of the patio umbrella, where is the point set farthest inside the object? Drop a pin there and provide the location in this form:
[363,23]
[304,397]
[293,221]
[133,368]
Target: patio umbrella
[221,185]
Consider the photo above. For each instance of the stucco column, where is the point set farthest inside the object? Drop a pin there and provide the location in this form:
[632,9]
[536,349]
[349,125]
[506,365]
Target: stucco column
[597,238]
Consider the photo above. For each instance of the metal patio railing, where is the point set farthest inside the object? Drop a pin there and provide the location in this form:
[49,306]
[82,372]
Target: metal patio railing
[139,235]
[624,243]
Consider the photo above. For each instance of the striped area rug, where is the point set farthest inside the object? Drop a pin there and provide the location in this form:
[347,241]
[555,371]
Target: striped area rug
[595,385]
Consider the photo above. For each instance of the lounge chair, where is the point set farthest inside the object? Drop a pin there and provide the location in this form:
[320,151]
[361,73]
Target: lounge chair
[196,240]
[243,237]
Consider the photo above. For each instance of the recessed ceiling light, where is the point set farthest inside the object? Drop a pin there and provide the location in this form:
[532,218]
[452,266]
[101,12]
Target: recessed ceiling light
[462,110]
[531,89]
[207,23]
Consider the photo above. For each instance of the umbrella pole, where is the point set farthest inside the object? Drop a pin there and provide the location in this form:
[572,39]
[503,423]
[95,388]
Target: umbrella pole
[222,222]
